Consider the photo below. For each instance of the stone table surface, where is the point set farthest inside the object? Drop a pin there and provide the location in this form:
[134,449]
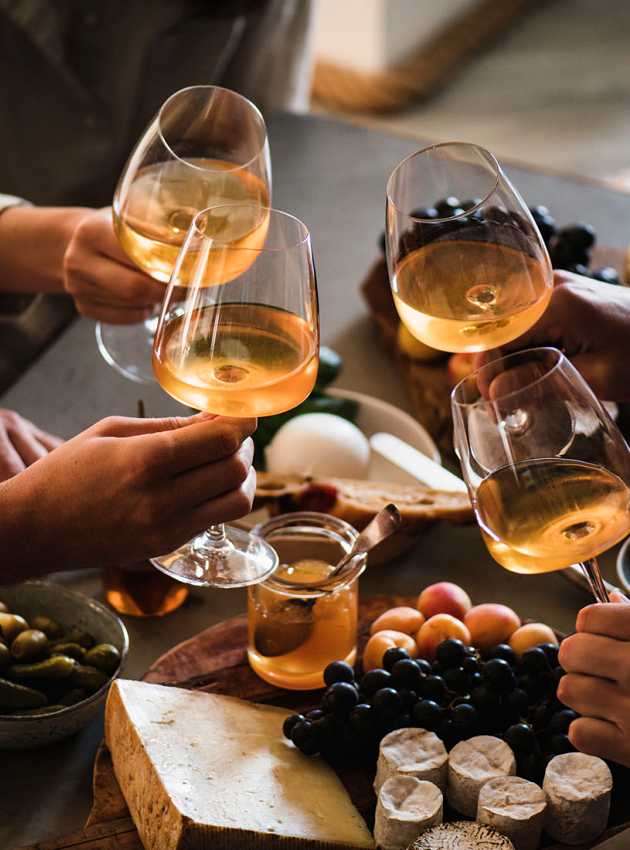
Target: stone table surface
[332,176]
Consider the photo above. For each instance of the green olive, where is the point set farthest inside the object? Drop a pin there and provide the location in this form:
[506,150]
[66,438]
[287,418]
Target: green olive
[82,638]
[5,656]
[48,626]
[13,696]
[73,650]
[54,669]
[11,625]
[103,656]
[73,697]
[89,678]
[29,645]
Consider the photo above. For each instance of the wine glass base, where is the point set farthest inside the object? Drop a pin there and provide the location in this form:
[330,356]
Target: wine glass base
[240,560]
[128,348]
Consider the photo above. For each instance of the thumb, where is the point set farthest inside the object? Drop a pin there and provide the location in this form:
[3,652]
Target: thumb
[127,426]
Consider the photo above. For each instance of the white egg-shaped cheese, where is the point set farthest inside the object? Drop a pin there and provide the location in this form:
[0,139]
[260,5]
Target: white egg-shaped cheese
[319,444]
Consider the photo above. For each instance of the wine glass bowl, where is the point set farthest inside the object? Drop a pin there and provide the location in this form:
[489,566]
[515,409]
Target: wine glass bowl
[546,468]
[240,344]
[207,145]
[470,272]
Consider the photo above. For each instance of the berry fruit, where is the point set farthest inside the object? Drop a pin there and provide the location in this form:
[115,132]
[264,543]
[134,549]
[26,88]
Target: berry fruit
[391,656]
[451,653]
[338,671]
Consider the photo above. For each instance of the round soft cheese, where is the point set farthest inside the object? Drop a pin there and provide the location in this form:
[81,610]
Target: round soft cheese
[515,807]
[471,764]
[578,789]
[406,806]
[412,752]
[462,835]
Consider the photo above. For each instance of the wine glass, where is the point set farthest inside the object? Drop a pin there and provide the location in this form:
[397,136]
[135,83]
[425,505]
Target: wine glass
[469,272]
[207,145]
[238,335]
[546,468]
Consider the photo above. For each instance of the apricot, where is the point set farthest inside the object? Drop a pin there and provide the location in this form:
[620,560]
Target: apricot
[460,366]
[438,628]
[531,634]
[378,644]
[491,623]
[400,619]
[444,598]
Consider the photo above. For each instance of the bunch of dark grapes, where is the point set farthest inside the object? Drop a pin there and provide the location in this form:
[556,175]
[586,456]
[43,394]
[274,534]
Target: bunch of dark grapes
[569,247]
[458,696]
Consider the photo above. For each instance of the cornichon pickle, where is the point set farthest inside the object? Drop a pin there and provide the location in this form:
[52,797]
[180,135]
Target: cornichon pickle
[5,656]
[14,696]
[48,626]
[103,656]
[11,625]
[54,669]
[29,645]
[87,677]
[73,697]
[82,638]
[73,650]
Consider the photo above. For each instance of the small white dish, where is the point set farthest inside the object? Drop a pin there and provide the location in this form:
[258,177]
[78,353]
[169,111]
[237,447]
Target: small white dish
[375,416]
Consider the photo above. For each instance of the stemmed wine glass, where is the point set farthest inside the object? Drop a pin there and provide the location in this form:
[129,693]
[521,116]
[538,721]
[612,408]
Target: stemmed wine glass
[238,335]
[472,272]
[546,468]
[207,145]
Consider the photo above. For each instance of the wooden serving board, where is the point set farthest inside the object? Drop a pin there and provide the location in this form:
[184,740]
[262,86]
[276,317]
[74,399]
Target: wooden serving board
[217,658]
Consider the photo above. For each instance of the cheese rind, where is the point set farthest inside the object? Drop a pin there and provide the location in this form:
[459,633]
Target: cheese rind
[200,770]
[516,808]
[412,752]
[471,764]
[578,789]
[462,835]
[406,807]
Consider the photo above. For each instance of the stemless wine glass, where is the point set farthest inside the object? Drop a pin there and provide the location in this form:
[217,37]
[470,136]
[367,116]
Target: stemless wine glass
[207,145]
[469,272]
[238,335]
[546,468]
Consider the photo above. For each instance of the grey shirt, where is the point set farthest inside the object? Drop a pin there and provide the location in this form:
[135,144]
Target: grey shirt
[80,79]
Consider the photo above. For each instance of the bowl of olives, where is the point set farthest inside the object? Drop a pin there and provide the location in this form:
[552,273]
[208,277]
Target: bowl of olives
[59,653]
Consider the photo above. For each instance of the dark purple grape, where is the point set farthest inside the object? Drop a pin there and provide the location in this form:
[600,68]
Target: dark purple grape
[340,699]
[474,680]
[531,684]
[427,714]
[558,673]
[447,732]
[290,722]
[541,715]
[448,207]
[425,213]
[403,721]
[305,737]
[539,211]
[374,680]
[315,714]
[535,660]
[450,653]
[409,698]
[437,668]
[457,680]
[434,687]
[517,701]
[580,236]
[498,675]
[504,651]
[560,744]
[471,203]
[576,268]
[338,671]
[561,720]
[406,674]
[465,720]
[387,703]
[424,666]
[485,699]
[520,737]
[531,766]
[607,274]
[471,665]
[391,656]
[362,721]
[551,651]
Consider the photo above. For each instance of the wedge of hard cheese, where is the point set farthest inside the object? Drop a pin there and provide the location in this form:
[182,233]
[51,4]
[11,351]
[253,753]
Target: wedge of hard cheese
[201,771]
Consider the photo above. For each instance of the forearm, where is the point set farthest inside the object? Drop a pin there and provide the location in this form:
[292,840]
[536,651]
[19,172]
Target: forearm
[33,242]
[23,550]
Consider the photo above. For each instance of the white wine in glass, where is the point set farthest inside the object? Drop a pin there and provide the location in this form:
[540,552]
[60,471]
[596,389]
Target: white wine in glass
[469,275]
[547,469]
[246,348]
[207,145]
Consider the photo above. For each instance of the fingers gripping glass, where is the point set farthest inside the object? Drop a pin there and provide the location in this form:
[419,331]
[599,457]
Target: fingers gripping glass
[547,469]
[238,335]
[207,145]
[471,273]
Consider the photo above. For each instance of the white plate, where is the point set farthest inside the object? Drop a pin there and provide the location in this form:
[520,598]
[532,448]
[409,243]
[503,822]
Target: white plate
[375,415]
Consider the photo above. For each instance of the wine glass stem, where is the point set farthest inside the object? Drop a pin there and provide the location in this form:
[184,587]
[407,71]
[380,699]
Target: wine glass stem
[594,576]
[215,535]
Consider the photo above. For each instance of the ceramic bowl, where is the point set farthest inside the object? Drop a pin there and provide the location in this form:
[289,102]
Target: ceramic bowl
[74,611]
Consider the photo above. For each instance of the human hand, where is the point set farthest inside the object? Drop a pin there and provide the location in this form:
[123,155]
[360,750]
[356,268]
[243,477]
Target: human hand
[21,443]
[597,680]
[125,490]
[590,322]
[101,278]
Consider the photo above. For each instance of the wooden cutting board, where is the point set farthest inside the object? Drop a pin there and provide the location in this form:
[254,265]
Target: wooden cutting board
[218,657]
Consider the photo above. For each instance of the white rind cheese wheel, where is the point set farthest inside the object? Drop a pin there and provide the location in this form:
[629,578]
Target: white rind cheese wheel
[516,808]
[462,835]
[406,807]
[471,764]
[412,752]
[578,789]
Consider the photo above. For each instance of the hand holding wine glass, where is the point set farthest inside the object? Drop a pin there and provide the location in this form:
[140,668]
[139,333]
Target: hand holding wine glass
[468,275]
[546,468]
